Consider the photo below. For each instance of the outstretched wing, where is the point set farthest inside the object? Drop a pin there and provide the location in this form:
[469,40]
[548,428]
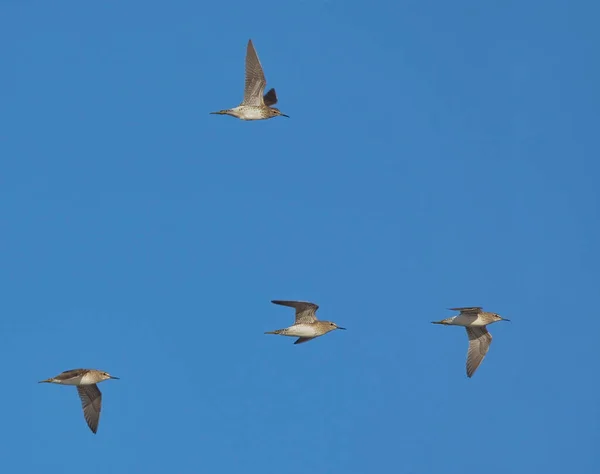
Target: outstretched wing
[255,78]
[305,311]
[479,344]
[91,401]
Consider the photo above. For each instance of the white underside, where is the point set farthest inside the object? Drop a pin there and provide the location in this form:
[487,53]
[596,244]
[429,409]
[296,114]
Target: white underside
[244,113]
[301,330]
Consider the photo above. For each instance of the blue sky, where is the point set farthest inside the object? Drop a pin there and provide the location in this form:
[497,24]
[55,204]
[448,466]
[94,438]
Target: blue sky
[438,154]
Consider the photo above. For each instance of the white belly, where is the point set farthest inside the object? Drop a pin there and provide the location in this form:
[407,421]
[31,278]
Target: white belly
[301,330]
[249,113]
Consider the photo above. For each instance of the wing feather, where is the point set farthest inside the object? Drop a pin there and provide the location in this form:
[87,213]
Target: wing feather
[270,98]
[255,78]
[91,401]
[479,344]
[468,309]
[300,340]
[305,311]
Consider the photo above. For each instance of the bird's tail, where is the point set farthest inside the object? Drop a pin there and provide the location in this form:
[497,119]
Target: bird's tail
[277,331]
[445,322]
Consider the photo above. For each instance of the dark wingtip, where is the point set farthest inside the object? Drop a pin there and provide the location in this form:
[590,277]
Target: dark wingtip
[270,98]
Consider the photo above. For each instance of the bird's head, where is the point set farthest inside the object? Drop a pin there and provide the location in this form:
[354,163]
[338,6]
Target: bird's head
[331,326]
[275,112]
[106,376]
[497,317]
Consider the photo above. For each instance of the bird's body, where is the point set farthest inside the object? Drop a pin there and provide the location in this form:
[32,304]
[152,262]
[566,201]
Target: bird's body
[475,320]
[469,319]
[75,377]
[306,326]
[91,398]
[255,106]
[248,112]
[300,330]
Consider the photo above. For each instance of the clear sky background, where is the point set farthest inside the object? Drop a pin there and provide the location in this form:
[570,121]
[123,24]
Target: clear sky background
[438,154]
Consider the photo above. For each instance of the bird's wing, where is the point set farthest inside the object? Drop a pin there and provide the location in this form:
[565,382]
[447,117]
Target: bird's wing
[468,310]
[255,78]
[270,98]
[300,340]
[70,374]
[305,311]
[479,344]
[91,401]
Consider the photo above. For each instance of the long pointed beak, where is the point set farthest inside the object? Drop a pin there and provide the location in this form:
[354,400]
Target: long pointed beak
[504,319]
[116,378]
[343,329]
[283,115]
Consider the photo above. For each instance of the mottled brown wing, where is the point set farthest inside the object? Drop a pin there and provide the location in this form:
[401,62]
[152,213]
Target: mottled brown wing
[469,309]
[91,401]
[270,98]
[305,311]
[479,344]
[255,78]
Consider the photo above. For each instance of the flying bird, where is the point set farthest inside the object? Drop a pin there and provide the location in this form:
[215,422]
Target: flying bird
[306,326]
[475,320]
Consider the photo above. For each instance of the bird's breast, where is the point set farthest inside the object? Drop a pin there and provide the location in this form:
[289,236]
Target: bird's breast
[88,379]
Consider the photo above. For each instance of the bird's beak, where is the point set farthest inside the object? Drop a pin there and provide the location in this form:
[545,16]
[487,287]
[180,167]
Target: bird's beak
[283,115]
[341,328]
[504,319]
[116,378]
